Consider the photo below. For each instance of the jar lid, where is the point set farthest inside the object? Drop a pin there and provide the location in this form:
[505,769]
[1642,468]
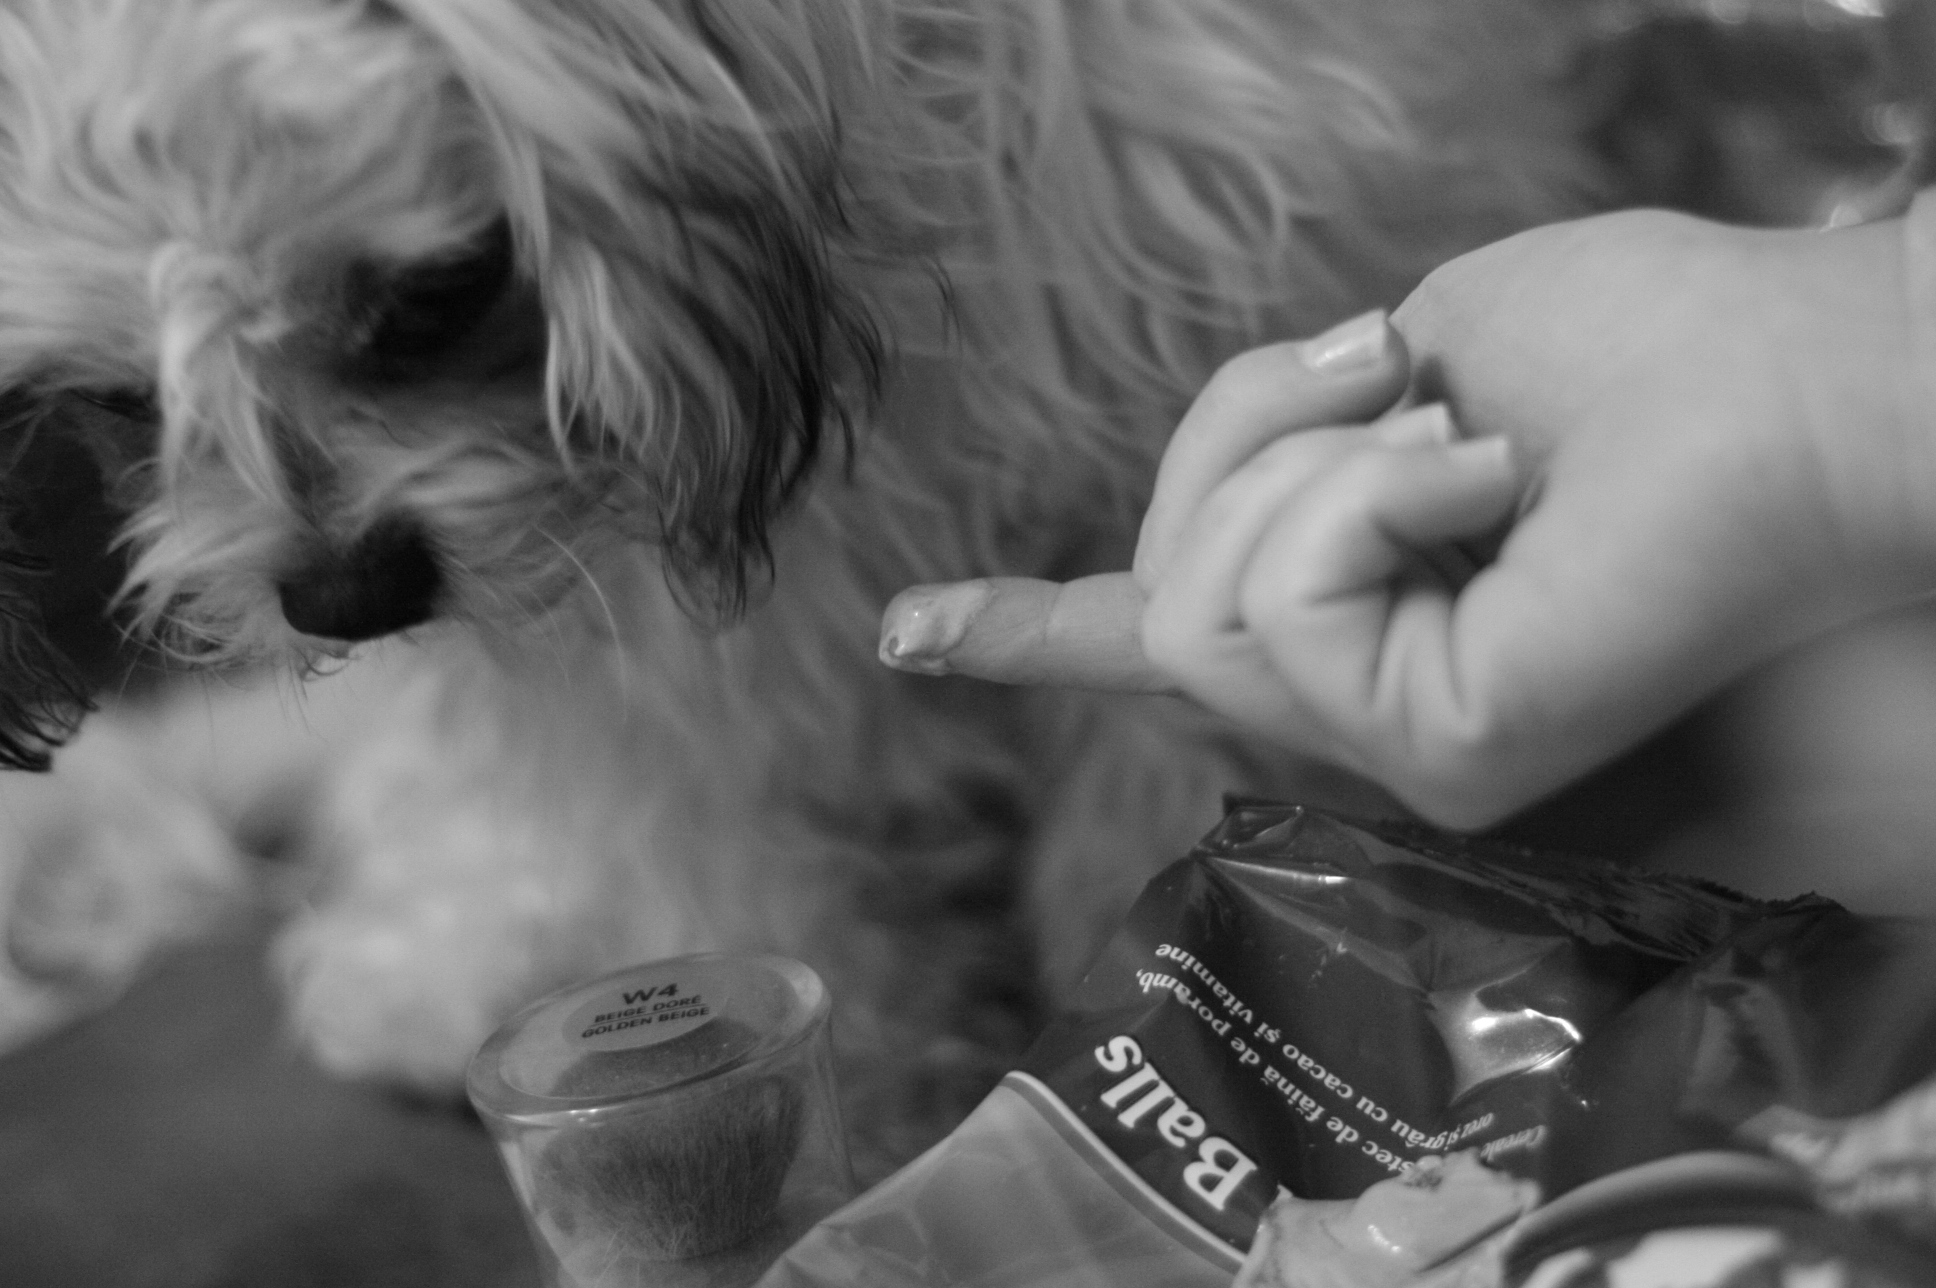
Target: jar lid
[644,1032]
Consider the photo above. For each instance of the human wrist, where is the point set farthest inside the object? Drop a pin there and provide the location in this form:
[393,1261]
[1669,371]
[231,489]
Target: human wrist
[1849,360]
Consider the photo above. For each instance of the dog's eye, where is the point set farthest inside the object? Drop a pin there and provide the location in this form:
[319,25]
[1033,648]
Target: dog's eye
[130,402]
[426,309]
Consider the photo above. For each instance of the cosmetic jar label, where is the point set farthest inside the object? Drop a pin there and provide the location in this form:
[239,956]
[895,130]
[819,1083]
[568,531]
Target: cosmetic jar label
[644,1010]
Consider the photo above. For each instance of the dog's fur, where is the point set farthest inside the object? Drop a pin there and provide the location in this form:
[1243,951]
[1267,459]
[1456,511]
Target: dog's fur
[628,355]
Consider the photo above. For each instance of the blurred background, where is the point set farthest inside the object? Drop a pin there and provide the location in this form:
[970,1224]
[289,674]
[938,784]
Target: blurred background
[174,1139]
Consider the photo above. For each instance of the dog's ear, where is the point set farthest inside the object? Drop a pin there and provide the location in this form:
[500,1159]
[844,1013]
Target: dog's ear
[673,174]
[42,699]
[56,577]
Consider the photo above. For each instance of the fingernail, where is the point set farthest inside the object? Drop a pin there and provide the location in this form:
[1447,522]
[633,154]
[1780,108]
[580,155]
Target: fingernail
[1419,427]
[1492,454]
[1356,343]
[925,623]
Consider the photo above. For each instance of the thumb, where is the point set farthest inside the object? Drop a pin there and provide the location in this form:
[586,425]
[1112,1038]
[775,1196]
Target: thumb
[1085,634]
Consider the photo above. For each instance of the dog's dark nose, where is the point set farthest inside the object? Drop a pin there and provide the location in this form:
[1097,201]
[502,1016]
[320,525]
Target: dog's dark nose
[386,581]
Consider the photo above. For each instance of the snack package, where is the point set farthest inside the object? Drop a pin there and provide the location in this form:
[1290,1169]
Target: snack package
[1769,1108]
[1324,1053]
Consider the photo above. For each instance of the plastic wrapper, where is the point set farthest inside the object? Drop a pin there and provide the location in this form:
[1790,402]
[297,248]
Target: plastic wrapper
[1323,1054]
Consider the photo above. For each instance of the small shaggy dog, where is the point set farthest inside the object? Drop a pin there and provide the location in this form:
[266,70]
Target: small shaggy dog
[626,356]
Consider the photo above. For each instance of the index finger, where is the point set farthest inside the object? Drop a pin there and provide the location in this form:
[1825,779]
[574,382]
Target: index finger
[1084,634]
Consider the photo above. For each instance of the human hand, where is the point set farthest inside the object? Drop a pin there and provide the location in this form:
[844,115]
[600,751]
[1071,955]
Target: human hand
[1714,449]
[1088,633]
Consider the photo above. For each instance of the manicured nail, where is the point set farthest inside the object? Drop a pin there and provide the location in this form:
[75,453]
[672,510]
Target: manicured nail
[1356,343]
[1425,426]
[925,623]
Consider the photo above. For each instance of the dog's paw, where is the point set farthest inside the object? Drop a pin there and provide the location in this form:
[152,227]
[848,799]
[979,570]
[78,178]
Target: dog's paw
[427,944]
[400,995]
[104,862]
[443,907]
[440,906]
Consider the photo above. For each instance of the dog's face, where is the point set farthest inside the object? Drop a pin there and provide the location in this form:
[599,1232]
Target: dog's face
[382,310]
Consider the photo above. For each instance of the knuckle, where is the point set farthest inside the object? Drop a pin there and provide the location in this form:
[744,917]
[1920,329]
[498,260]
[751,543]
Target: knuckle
[1268,604]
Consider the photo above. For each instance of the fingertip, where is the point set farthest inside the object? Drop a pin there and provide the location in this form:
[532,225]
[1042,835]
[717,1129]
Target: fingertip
[1450,492]
[1016,630]
[1491,456]
[1430,425]
[924,624]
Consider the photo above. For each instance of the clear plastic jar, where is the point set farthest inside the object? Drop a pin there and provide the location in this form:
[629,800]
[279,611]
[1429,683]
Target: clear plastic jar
[669,1124]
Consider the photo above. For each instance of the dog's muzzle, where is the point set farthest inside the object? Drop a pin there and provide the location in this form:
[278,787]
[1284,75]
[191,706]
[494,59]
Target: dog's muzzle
[387,580]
